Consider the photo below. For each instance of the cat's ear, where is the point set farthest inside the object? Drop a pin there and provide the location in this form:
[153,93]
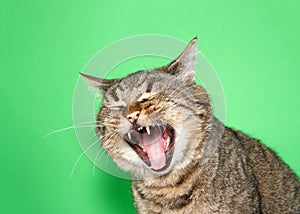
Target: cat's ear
[183,65]
[102,84]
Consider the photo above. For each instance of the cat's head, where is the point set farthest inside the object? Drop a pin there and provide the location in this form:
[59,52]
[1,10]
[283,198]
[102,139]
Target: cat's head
[152,122]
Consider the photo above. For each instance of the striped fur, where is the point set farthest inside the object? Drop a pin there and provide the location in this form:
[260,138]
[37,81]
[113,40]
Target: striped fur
[214,169]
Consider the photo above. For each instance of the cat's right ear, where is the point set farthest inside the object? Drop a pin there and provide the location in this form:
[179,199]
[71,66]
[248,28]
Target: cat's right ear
[99,83]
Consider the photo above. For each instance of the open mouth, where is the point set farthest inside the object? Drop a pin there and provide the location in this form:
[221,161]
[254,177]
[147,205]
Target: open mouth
[153,144]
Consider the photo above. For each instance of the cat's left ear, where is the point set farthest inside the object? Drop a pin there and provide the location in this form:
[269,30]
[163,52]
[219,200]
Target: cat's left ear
[102,84]
[183,66]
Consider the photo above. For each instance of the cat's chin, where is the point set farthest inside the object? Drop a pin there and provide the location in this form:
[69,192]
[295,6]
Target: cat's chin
[153,144]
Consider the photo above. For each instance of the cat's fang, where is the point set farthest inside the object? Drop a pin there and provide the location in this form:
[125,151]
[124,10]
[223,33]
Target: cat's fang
[168,142]
[148,130]
[129,135]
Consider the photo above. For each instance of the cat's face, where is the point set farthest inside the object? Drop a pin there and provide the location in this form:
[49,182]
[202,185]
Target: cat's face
[150,121]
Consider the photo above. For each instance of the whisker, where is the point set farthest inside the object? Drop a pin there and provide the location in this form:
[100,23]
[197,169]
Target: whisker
[99,154]
[106,137]
[67,128]
[80,156]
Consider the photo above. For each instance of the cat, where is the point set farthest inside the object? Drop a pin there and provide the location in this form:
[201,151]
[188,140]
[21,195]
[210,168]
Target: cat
[158,125]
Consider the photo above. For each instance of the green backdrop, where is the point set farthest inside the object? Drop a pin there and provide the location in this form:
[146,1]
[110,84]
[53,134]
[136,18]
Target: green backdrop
[254,47]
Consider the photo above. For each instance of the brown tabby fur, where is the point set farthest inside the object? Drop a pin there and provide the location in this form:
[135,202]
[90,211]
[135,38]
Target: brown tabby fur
[214,169]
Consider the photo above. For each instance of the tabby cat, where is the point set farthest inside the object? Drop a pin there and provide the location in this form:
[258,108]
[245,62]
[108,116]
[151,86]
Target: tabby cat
[158,125]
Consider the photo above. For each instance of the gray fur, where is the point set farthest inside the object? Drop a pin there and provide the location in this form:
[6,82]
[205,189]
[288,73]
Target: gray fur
[214,169]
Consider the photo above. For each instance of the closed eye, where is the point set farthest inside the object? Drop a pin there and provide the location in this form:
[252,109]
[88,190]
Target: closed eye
[146,96]
[144,100]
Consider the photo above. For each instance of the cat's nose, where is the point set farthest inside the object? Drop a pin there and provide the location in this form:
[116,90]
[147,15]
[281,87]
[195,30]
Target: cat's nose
[133,117]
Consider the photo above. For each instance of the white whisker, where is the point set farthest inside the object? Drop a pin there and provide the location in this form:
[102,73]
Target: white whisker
[83,153]
[67,128]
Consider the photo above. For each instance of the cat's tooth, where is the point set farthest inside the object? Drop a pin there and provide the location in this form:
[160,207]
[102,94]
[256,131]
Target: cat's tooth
[168,142]
[129,135]
[148,130]
[141,145]
[140,128]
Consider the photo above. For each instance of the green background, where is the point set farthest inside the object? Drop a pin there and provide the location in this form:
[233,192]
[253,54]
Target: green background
[254,47]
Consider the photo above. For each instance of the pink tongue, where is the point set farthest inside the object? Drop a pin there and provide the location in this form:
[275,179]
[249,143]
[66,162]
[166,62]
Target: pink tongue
[156,151]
